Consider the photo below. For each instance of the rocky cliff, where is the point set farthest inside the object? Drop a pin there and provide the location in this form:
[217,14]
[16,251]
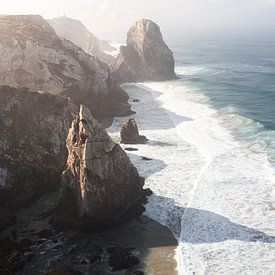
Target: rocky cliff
[145,57]
[100,185]
[76,32]
[33,153]
[33,56]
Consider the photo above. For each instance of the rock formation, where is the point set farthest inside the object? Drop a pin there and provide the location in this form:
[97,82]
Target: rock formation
[34,127]
[145,57]
[129,133]
[76,32]
[33,56]
[100,185]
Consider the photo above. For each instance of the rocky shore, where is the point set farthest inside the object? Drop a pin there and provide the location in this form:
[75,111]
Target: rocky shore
[34,246]
[88,218]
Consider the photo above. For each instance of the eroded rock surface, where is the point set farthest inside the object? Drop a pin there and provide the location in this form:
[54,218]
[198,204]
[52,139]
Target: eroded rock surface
[100,186]
[145,57]
[129,133]
[34,126]
[33,56]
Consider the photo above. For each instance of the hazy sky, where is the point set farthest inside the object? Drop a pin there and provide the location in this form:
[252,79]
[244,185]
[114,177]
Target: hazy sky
[111,18]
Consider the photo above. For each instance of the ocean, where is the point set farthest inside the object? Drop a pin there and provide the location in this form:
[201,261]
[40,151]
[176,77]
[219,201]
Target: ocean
[212,144]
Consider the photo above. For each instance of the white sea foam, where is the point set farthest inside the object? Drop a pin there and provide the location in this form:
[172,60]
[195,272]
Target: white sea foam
[211,178]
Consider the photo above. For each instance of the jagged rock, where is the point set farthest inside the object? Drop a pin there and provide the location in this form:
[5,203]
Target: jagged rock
[121,258]
[76,32]
[33,56]
[129,133]
[100,186]
[145,57]
[34,126]
[7,218]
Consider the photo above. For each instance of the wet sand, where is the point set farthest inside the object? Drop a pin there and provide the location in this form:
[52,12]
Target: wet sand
[155,243]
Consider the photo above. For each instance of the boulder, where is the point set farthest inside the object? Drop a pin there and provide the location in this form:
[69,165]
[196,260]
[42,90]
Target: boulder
[100,187]
[121,258]
[34,126]
[129,133]
[145,56]
[34,56]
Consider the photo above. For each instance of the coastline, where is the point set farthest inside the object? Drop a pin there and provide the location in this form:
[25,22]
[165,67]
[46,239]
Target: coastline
[193,173]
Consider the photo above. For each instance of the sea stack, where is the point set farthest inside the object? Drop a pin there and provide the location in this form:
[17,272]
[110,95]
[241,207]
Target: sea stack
[129,133]
[100,186]
[34,56]
[145,57]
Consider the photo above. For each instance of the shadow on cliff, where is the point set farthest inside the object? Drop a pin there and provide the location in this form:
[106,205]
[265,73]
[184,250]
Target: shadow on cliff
[150,115]
[198,226]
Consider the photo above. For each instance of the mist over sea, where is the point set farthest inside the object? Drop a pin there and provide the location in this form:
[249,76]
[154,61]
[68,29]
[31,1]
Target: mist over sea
[212,144]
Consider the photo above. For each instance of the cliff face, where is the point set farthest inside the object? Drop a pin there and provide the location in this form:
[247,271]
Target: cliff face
[145,57]
[33,56]
[33,153]
[100,185]
[77,33]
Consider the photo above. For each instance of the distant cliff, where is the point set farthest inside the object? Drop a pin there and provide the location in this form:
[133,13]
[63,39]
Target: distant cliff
[76,32]
[33,56]
[145,57]
[34,127]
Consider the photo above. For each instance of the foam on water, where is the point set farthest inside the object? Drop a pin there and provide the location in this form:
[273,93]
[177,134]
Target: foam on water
[212,179]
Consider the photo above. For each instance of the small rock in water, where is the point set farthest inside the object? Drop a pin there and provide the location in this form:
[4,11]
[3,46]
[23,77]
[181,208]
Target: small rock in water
[130,149]
[136,100]
[145,158]
[129,133]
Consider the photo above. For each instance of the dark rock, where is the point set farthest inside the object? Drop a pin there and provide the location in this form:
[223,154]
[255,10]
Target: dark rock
[129,133]
[14,234]
[95,255]
[24,245]
[121,258]
[45,234]
[145,57]
[100,186]
[138,272]
[136,100]
[7,218]
[63,270]
[145,158]
[130,149]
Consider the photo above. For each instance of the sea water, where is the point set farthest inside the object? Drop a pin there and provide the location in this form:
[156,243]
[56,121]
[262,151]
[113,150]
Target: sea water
[212,144]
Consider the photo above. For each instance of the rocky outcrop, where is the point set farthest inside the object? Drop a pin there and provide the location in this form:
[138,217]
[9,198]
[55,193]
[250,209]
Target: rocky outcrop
[76,32]
[129,133]
[145,57]
[100,186]
[34,127]
[33,56]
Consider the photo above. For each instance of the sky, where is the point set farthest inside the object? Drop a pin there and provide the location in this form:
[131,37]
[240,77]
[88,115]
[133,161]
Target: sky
[111,19]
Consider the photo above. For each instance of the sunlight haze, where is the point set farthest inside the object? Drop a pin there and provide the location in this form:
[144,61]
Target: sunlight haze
[112,18]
